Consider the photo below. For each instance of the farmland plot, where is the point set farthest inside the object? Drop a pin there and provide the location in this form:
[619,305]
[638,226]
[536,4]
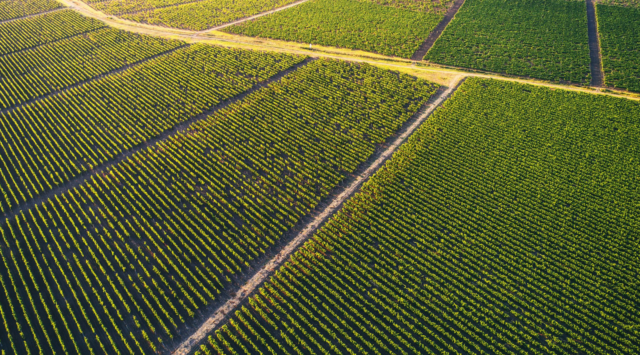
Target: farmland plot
[508,224]
[205,14]
[350,24]
[544,39]
[48,142]
[31,32]
[55,66]
[620,46]
[126,261]
[11,9]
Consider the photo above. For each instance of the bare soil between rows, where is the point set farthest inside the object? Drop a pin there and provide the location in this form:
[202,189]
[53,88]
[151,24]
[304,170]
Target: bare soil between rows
[437,31]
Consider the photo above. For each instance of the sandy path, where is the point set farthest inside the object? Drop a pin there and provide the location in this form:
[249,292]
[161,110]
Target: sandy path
[597,75]
[406,65]
[268,269]
[437,31]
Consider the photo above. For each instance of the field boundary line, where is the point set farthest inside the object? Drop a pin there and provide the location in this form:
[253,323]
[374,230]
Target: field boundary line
[437,31]
[311,227]
[150,143]
[33,15]
[597,72]
[229,24]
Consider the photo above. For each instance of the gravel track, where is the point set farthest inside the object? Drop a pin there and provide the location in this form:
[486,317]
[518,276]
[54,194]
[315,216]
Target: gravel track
[262,274]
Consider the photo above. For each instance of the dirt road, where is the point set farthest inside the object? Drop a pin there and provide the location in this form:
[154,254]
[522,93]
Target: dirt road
[309,230]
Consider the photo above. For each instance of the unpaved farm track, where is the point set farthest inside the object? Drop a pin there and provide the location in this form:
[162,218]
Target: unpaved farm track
[597,75]
[150,143]
[437,31]
[262,274]
[387,62]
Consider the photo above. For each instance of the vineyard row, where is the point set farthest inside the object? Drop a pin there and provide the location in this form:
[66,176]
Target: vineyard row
[125,262]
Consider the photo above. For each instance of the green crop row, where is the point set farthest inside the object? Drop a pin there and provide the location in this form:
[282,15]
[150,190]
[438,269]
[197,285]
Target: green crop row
[346,23]
[50,67]
[620,46]
[31,32]
[127,260]
[49,142]
[205,14]
[544,39]
[507,224]
[11,9]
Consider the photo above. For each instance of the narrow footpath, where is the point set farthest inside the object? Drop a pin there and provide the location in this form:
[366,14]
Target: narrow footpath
[437,31]
[263,274]
[597,75]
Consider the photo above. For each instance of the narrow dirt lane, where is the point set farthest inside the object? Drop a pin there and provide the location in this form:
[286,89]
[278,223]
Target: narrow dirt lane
[237,41]
[597,75]
[308,231]
[82,178]
[435,34]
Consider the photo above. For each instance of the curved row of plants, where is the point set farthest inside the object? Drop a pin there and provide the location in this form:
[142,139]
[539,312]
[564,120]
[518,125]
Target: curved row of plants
[124,263]
[48,142]
[507,224]
[51,67]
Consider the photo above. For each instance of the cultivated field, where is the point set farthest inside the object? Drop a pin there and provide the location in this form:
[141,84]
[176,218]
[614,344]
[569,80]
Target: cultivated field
[347,23]
[620,41]
[187,14]
[12,9]
[125,260]
[284,177]
[545,39]
[489,232]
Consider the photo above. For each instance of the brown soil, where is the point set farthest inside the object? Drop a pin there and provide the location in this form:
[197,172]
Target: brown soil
[597,76]
[435,34]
